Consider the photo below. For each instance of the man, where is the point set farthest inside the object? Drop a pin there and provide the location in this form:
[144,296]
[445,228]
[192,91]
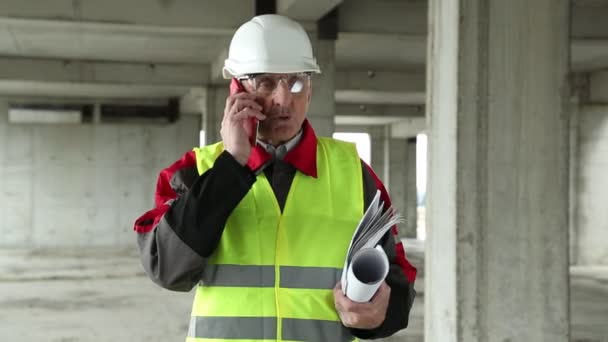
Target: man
[262,231]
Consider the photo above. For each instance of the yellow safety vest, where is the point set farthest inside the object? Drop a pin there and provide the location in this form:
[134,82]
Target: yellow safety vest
[272,276]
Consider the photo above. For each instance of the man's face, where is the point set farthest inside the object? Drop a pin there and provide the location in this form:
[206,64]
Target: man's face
[285,99]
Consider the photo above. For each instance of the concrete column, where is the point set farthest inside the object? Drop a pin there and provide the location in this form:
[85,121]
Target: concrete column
[402,178]
[411,191]
[574,164]
[322,109]
[497,244]
[17,178]
[3,147]
[4,108]
[379,152]
[591,184]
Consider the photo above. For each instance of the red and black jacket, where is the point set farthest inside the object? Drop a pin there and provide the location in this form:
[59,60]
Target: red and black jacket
[182,231]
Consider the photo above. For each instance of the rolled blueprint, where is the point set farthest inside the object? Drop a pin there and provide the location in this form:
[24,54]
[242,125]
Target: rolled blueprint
[366,272]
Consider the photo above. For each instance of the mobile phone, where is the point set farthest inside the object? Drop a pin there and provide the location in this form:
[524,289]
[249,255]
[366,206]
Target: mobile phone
[253,124]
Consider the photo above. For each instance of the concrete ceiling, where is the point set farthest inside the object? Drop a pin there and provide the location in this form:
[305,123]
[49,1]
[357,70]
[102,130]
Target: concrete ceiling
[378,35]
[110,42]
[387,37]
[159,44]
[91,35]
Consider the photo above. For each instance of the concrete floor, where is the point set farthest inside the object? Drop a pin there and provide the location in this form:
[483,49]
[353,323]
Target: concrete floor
[102,295]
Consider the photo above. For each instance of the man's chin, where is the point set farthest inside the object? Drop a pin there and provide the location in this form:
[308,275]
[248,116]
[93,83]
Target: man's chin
[279,135]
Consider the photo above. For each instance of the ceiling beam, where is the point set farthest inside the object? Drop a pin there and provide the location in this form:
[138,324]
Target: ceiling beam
[373,111]
[360,50]
[189,103]
[384,17]
[371,115]
[226,14]
[350,120]
[204,45]
[97,91]
[408,17]
[403,128]
[380,97]
[408,52]
[408,128]
[16,24]
[589,54]
[110,41]
[381,80]
[373,87]
[306,10]
[56,70]
[598,88]
[589,19]
[360,93]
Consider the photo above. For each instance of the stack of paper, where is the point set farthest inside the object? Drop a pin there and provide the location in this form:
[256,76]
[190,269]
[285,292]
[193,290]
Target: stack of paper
[366,265]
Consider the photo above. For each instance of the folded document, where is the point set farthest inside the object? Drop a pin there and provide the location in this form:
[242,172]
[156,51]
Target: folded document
[366,265]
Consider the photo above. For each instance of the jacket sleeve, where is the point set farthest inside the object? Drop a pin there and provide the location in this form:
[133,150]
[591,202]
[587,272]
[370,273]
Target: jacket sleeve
[177,236]
[401,274]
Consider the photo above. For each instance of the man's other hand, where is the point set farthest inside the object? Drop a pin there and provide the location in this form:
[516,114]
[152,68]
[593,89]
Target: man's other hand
[368,315]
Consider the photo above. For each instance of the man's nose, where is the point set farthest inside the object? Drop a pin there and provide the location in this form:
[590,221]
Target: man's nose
[282,95]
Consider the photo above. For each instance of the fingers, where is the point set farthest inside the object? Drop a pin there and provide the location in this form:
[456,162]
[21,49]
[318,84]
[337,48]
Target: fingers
[383,293]
[381,296]
[339,298]
[241,106]
[343,303]
[236,103]
[235,129]
[239,96]
[247,113]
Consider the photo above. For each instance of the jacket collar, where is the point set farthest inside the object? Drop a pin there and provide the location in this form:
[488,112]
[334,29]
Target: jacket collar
[303,156]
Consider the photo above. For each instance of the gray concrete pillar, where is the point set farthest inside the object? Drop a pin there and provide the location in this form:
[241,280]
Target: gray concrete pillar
[573,196]
[411,191]
[402,178]
[590,234]
[497,244]
[378,136]
[3,111]
[17,180]
[322,108]
[3,153]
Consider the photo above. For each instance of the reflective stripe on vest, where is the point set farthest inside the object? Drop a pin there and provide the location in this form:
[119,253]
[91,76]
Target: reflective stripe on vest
[297,277]
[282,266]
[264,328]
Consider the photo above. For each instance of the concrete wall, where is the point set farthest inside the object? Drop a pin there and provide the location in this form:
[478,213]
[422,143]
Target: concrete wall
[82,185]
[592,216]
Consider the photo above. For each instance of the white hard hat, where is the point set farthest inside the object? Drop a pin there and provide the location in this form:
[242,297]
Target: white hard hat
[269,44]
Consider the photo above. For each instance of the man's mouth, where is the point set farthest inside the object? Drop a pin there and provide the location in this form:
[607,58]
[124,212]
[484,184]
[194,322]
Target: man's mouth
[280,117]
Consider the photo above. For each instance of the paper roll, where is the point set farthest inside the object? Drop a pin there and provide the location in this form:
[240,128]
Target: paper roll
[367,271]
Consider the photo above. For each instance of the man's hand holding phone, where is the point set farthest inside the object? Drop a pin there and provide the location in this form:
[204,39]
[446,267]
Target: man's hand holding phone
[239,125]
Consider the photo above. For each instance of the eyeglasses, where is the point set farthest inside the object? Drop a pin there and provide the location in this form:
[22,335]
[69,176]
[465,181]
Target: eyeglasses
[266,84]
